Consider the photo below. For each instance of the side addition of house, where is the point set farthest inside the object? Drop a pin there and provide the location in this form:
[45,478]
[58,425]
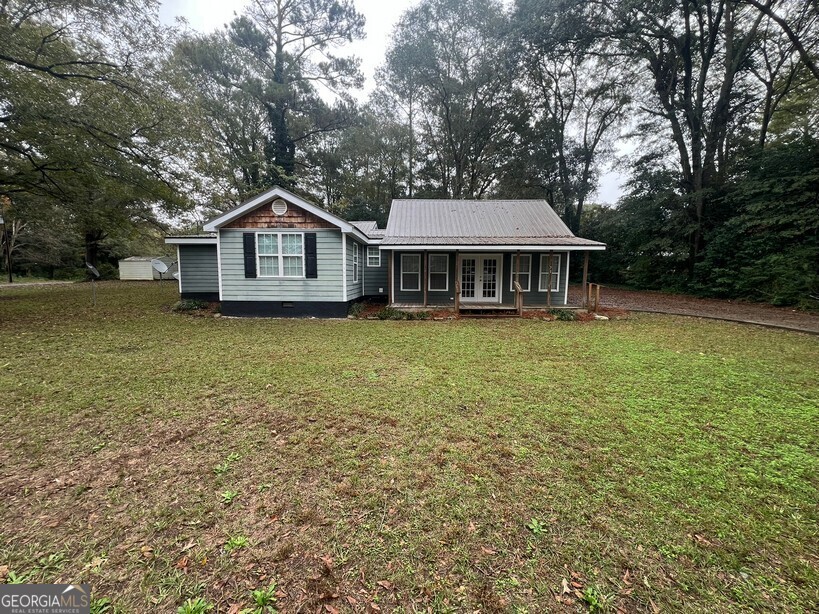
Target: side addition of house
[470,253]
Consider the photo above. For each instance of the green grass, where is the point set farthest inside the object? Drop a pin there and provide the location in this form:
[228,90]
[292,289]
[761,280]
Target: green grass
[447,466]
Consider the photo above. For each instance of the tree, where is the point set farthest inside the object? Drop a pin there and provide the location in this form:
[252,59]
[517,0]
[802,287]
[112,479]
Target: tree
[577,95]
[264,72]
[453,56]
[698,56]
[83,117]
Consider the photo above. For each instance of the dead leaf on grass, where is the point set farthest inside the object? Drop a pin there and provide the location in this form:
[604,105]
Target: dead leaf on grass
[183,563]
[385,584]
[373,607]
[147,552]
[351,600]
[627,578]
[330,609]
[189,545]
[235,608]
[566,588]
[488,551]
[4,571]
[328,563]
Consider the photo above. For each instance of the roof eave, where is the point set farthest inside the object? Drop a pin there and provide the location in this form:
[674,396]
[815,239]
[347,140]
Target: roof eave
[277,192]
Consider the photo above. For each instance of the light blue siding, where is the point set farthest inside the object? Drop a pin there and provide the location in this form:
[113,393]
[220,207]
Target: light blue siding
[327,287]
[198,267]
[355,289]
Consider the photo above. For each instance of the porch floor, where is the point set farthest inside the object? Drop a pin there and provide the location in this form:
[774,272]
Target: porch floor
[478,307]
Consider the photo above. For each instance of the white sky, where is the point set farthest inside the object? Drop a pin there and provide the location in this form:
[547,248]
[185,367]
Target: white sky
[382,15]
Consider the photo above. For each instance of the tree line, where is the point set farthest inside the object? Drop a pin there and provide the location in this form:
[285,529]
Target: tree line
[113,126]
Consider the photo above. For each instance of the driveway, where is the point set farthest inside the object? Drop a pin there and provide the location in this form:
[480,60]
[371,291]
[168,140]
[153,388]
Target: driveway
[681,304]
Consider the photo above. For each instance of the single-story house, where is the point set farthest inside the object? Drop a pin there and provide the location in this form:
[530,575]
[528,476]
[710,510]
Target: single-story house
[280,255]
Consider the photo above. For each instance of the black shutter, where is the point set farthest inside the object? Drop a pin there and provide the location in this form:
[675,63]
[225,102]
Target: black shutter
[250,254]
[311,262]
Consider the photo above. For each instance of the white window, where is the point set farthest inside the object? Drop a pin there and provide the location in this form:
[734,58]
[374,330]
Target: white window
[410,272]
[525,272]
[356,248]
[544,272]
[439,272]
[373,256]
[280,254]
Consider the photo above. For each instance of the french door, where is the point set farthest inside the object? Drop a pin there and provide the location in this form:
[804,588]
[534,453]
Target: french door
[481,278]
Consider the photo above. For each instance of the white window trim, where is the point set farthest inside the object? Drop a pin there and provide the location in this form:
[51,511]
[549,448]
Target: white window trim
[528,288]
[544,270]
[280,255]
[401,273]
[377,255]
[356,262]
[429,273]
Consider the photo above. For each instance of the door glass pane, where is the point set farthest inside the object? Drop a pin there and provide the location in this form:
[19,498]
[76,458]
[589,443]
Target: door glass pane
[490,278]
[468,278]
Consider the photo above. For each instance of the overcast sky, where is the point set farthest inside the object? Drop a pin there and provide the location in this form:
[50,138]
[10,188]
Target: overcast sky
[208,15]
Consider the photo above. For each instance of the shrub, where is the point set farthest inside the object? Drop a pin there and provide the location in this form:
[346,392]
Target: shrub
[564,315]
[356,309]
[190,305]
[390,313]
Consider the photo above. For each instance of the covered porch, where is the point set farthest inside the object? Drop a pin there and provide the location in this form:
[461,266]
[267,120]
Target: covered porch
[485,279]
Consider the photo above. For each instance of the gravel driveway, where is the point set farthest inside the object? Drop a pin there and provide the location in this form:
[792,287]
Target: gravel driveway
[681,304]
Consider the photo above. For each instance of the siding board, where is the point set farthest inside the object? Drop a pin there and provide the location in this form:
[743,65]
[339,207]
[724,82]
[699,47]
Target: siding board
[327,287]
[198,268]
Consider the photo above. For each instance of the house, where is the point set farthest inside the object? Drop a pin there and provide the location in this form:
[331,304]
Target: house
[281,255]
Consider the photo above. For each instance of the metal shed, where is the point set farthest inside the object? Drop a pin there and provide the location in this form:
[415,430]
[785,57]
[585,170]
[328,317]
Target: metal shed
[138,268]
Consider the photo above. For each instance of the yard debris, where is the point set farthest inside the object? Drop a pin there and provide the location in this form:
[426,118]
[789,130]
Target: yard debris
[386,584]
[4,571]
[183,563]
[147,552]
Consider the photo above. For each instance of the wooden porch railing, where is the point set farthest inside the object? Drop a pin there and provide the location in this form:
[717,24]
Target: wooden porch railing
[593,298]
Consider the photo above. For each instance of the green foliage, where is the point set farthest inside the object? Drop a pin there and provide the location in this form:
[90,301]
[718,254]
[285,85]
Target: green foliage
[391,313]
[236,542]
[196,605]
[102,605]
[356,309]
[264,600]
[536,527]
[563,315]
[228,496]
[768,250]
[189,304]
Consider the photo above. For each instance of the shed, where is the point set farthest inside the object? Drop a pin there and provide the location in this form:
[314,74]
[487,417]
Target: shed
[138,268]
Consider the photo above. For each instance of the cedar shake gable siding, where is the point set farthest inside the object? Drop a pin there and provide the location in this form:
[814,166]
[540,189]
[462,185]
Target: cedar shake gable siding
[295,218]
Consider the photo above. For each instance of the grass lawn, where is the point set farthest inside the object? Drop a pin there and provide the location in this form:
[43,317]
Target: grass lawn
[657,463]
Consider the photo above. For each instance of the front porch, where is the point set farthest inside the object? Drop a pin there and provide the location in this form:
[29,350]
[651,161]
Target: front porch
[499,281]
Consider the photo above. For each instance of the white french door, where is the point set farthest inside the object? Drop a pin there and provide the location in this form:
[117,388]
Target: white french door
[481,278]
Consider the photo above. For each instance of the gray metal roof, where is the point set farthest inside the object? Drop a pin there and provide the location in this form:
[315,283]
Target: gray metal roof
[369,228]
[477,222]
